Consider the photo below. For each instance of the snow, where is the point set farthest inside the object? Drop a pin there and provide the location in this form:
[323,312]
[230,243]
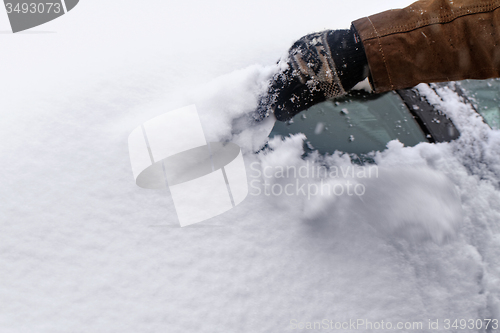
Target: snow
[83,249]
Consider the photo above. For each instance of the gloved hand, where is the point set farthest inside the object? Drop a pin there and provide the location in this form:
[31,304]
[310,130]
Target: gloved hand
[319,66]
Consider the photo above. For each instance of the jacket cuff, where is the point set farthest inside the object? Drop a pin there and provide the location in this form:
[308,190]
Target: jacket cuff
[379,72]
[432,41]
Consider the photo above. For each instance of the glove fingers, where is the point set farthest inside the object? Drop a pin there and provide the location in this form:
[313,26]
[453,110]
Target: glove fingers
[298,97]
[288,96]
[312,75]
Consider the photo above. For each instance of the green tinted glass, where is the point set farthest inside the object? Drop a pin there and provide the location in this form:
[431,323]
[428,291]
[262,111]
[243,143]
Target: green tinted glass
[357,124]
[485,94]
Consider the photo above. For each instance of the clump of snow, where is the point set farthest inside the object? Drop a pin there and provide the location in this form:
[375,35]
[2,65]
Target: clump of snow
[414,204]
[405,201]
[226,105]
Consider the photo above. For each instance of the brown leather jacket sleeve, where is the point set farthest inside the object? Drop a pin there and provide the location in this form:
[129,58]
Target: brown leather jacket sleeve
[432,41]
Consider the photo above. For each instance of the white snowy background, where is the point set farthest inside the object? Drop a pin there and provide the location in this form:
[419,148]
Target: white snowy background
[83,249]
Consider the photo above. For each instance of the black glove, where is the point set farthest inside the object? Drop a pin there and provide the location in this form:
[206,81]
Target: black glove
[319,66]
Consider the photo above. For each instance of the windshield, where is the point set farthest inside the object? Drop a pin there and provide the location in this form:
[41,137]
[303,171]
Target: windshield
[359,124]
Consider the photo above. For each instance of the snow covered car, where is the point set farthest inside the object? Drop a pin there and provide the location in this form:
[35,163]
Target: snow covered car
[363,122]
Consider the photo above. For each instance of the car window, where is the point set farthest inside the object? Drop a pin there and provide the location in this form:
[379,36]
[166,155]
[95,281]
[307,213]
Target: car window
[485,96]
[359,123]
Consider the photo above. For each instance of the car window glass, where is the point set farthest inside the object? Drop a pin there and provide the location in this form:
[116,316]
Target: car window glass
[485,95]
[359,124]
